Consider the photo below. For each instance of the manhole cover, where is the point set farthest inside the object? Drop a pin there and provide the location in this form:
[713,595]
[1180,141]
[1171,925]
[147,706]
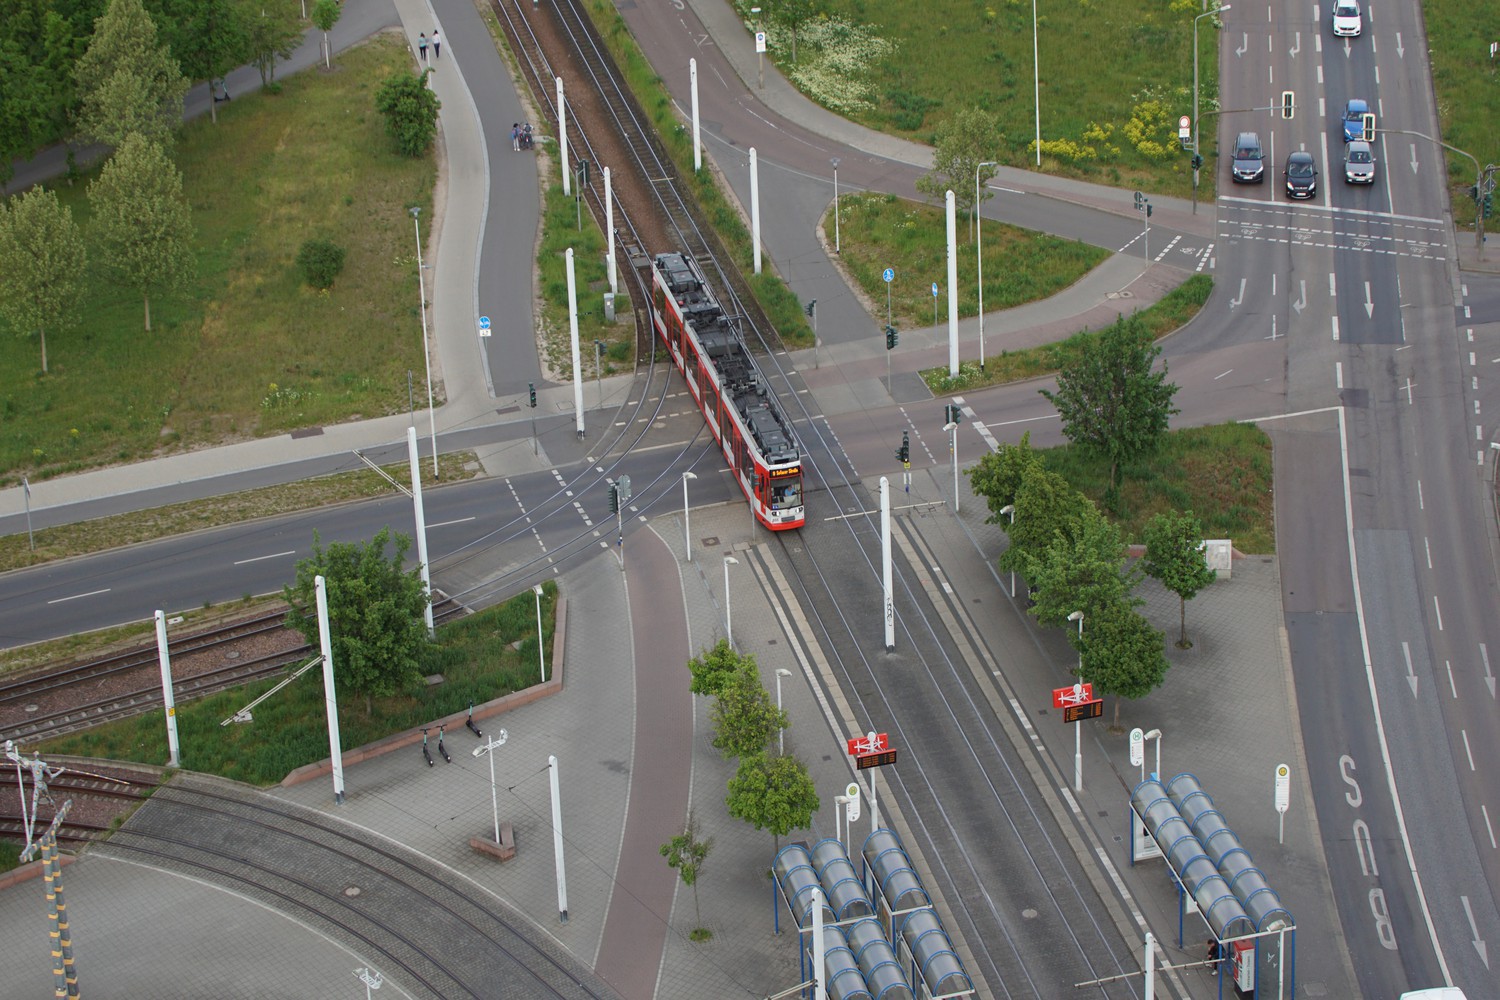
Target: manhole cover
[1029,913]
[32,708]
[353,890]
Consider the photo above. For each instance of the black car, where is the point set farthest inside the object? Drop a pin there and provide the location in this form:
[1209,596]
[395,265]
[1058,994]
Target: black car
[1301,175]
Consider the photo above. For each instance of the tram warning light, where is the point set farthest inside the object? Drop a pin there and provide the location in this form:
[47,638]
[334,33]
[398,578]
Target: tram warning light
[1288,105]
[1368,122]
[904,452]
[614,499]
[531,388]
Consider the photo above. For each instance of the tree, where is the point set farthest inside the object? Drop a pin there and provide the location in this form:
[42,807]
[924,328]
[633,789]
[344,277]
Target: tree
[411,109]
[792,14]
[272,34]
[1081,571]
[963,141]
[37,52]
[375,612]
[774,793]
[1174,555]
[127,80]
[743,715]
[1122,654]
[1047,505]
[325,14]
[1111,403]
[142,224]
[208,37]
[998,476]
[717,667]
[686,853]
[42,259]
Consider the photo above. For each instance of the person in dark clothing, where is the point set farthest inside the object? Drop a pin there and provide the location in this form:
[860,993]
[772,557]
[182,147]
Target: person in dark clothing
[422,45]
[1213,955]
[437,45]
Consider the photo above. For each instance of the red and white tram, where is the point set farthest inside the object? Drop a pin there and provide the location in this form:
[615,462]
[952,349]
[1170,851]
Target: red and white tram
[741,411]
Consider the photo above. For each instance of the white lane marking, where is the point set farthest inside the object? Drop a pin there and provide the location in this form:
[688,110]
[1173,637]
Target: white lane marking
[1490,829]
[1338,374]
[1451,685]
[274,555]
[1467,751]
[1335,321]
[1222,374]
[1427,547]
[60,600]
[1333,289]
[1437,609]
[444,524]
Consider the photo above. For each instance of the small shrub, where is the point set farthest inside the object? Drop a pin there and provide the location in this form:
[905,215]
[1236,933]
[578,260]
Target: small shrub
[320,262]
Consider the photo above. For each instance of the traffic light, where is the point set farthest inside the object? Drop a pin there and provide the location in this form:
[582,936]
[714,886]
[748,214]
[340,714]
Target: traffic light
[531,387]
[1489,205]
[953,414]
[1287,104]
[892,338]
[904,452]
[614,499]
[1197,160]
[1369,127]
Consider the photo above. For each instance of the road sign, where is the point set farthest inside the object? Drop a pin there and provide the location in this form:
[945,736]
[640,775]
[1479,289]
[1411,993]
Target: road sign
[889,274]
[1184,127]
[484,326]
[760,41]
[1072,695]
[1083,710]
[934,290]
[1137,747]
[851,808]
[1283,787]
[868,743]
[879,759]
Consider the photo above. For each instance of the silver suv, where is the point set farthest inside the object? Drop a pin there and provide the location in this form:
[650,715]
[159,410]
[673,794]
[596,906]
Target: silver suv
[1249,165]
[1359,163]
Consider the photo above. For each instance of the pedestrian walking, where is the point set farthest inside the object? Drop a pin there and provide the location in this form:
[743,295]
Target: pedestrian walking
[422,45]
[515,135]
[437,45]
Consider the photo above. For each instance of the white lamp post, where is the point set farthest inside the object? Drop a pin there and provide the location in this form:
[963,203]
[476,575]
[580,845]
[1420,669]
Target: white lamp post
[1010,509]
[760,55]
[1155,734]
[1077,616]
[728,614]
[1036,80]
[836,245]
[490,748]
[687,533]
[1206,13]
[540,655]
[780,733]
[979,254]
[426,354]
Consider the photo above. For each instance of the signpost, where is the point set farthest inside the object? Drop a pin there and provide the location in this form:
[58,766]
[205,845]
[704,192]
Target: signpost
[1283,798]
[869,751]
[1078,704]
[1185,131]
[1138,750]
[934,303]
[484,326]
[889,275]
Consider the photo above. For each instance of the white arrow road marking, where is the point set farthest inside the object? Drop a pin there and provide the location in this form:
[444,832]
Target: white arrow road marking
[1411,674]
[1346,48]
[1479,944]
[1244,44]
[1238,298]
[1369,303]
[1301,302]
[1400,49]
[1489,677]
[1297,46]
[1414,158]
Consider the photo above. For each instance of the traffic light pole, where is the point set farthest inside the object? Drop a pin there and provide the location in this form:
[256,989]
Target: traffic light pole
[1482,178]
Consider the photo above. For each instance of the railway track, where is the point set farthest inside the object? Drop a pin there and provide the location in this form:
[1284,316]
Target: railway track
[100,794]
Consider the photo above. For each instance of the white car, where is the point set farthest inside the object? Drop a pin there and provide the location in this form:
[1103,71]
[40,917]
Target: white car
[1347,22]
[1359,163]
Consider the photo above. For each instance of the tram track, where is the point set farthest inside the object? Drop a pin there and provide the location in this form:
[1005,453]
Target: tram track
[356,888]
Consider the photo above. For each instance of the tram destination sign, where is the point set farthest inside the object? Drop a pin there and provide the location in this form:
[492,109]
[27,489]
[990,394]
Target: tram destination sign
[1083,710]
[879,758]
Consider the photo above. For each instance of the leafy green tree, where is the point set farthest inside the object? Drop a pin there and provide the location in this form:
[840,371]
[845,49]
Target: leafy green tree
[1122,654]
[1111,403]
[686,853]
[128,80]
[1174,555]
[142,225]
[37,52]
[717,667]
[375,612]
[42,260]
[1047,505]
[208,37]
[774,793]
[744,716]
[411,109]
[792,15]
[964,140]
[998,476]
[273,33]
[1080,571]
[325,14]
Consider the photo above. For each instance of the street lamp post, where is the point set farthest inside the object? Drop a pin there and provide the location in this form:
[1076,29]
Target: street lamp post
[728,612]
[426,354]
[490,748]
[836,244]
[541,657]
[1036,82]
[979,254]
[760,54]
[952,428]
[1197,161]
[780,732]
[1077,616]
[1010,509]
[1155,734]
[687,531]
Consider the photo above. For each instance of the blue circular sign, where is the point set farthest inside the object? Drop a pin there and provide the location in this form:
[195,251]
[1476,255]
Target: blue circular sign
[484,322]
[889,275]
[934,290]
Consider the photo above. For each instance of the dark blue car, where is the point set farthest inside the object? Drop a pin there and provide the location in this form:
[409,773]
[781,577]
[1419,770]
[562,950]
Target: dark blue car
[1354,119]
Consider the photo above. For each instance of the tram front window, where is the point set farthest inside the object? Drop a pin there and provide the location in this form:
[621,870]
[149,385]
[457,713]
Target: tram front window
[785,495]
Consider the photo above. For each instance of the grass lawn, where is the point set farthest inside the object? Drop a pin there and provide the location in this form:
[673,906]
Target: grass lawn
[483,657]
[894,66]
[560,230]
[1466,80]
[880,230]
[1161,318]
[246,349]
[1221,473]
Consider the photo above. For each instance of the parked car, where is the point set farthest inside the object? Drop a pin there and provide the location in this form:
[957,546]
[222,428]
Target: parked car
[1359,163]
[1354,118]
[1249,165]
[1301,175]
[1347,22]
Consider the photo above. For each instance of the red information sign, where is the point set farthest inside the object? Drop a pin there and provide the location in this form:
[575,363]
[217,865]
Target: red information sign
[869,743]
[1083,710]
[1072,695]
[879,758]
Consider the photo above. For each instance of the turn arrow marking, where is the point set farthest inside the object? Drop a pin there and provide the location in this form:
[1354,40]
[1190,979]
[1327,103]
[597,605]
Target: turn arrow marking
[1244,44]
[1238,298]
[1301,302]
[1296,47]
